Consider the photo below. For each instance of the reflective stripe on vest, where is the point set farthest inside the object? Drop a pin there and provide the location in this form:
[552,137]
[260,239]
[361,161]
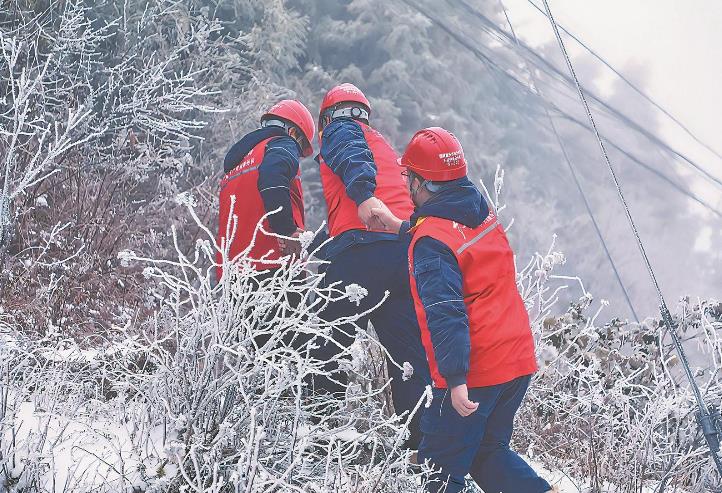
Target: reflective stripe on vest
[476,238]
[502,346]
[391,187]
[242,183]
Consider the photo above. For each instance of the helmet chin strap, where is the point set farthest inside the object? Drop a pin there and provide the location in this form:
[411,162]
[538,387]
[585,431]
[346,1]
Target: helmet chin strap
[272,122]
[355,112]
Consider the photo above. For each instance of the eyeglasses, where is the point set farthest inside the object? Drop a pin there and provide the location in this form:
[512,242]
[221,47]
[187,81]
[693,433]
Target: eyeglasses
[410,175]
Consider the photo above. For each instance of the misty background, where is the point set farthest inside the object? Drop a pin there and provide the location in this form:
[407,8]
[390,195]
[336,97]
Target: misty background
[455,64]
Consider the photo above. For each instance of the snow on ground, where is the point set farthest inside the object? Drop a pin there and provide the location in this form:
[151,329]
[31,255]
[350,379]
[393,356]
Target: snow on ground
[80,453]
[557,478]
[567,484]
[83,453]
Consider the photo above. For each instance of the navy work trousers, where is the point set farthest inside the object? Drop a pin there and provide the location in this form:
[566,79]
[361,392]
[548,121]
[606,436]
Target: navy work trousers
[379,266]
[478,444]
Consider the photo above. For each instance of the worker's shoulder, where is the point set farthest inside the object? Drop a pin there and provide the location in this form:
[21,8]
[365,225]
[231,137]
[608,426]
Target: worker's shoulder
[281,141]
[429,224]
[283,145]
[436,228]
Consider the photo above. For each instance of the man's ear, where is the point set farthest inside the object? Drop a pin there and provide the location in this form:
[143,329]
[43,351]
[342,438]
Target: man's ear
[295,135]
[323,122]
[412,181]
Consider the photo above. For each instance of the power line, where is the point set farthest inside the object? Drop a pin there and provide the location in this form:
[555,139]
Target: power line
[664,177]
[648,167]
[497,69]
[633,86]
[577,182]
[494,29]
[706,419]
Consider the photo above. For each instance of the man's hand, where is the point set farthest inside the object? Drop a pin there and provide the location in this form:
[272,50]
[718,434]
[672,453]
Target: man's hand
[460,400]
[388,219]
[291,245]
[367,216]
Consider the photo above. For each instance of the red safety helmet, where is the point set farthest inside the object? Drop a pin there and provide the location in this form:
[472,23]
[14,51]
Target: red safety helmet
[344,93]
[434,154]
[296,113]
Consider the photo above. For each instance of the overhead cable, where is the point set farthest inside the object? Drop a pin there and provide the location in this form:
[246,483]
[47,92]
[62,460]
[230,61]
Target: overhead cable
[500,71]
[632,86]
[538,60]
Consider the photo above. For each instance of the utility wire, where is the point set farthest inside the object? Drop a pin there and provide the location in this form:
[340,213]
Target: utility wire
[495,30]
[499,70]
[665,178]
[633,86]
[588,207]
[706,419]
[646,166]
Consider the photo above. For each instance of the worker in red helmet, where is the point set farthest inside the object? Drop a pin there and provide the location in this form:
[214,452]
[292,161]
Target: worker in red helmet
[262,174]
[474,325]
[359,173]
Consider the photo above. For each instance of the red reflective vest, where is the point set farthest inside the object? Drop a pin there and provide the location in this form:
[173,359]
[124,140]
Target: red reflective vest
[391,187]
[241,185]
[502,346]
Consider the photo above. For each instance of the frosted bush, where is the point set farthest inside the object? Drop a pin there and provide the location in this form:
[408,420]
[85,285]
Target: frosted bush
[610,402]
[209,395]
[408,370]
[356,293]
[231,363]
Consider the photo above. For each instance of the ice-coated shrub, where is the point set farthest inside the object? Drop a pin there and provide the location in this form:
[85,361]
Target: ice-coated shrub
[212,392]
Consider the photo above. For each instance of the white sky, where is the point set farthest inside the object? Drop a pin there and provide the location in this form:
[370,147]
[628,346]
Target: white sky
[677,43]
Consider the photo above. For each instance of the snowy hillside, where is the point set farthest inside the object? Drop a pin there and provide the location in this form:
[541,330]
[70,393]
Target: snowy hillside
[125,368]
